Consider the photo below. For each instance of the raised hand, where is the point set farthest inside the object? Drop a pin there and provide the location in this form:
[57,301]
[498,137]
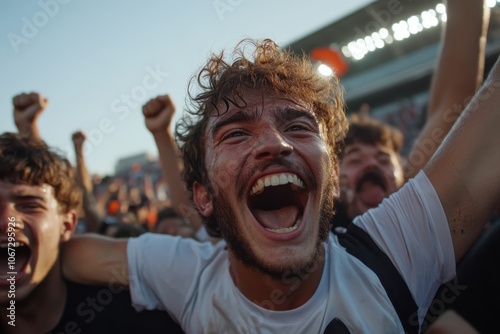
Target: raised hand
[158,113]
[27,109]
[78,140]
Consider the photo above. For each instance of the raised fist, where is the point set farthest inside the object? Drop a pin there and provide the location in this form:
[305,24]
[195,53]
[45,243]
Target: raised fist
[78,140]
[158,113]
[27,109]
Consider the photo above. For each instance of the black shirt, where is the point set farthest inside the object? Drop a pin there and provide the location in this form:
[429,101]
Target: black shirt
[108,309]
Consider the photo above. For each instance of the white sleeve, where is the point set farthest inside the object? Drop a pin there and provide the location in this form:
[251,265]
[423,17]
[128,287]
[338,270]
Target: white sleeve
[412,229]
[163,270]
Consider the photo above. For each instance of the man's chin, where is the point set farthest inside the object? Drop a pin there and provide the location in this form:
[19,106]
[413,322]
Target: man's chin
[275,263]
[277,271]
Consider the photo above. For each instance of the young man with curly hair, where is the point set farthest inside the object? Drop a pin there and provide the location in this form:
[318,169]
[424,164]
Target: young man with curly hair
[260,150]
[39,199]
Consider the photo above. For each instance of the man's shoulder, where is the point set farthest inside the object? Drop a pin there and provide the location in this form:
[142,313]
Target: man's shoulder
[152,247]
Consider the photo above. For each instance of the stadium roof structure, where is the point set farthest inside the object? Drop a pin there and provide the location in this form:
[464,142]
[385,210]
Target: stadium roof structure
[390,47]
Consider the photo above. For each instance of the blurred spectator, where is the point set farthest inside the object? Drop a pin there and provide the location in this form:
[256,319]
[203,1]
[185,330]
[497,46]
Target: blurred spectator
[169,221]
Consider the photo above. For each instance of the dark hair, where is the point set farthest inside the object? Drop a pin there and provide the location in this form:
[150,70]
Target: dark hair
[269,69]
[30,161]
[368,130]
[166,213]
[123,230]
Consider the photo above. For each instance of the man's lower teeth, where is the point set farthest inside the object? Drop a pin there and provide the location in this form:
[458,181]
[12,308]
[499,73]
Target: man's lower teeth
[285,229]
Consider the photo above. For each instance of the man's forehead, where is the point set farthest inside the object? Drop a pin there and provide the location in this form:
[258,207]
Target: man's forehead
[255,108]
[22,189]
[367,148]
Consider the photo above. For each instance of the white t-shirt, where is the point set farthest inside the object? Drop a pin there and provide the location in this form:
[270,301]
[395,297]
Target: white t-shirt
[191,280]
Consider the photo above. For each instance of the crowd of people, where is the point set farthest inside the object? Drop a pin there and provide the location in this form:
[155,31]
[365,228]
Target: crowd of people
[282,214]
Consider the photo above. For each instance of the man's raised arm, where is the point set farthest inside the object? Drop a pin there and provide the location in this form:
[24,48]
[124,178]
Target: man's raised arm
[458,75]
[27,109]
[158,114]
[95,259]
[465,169]
[92,217]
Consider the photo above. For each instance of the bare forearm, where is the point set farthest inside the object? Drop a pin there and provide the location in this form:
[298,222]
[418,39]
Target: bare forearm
[93,218]
[28,130]
[459,73]
[93,259]
[82,172]
[465,170]
[460,65]
[171,167]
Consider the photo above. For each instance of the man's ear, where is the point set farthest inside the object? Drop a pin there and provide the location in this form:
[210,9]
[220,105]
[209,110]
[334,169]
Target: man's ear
[68,226]
[202,199]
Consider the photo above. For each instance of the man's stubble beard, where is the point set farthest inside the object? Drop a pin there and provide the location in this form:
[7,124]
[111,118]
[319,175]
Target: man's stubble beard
[242,250]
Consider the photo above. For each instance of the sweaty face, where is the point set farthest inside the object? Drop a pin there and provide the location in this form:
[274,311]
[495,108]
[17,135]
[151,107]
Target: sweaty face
[368,174]
[271,183]
[31,232]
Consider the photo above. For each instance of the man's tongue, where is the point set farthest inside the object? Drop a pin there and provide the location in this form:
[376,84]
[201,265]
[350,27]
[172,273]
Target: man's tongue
[284,217]
[371,194]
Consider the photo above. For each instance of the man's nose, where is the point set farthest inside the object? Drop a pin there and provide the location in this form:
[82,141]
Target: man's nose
[371,163]
[7,216]
[272,144]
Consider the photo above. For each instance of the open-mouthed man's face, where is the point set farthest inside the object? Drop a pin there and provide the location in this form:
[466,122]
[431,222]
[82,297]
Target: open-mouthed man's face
[368,174]
[32,229]
[271,182]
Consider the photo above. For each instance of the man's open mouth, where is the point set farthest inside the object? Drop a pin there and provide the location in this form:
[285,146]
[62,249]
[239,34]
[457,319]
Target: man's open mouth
[374,177]
[372,188]
[277,202]
[14,257]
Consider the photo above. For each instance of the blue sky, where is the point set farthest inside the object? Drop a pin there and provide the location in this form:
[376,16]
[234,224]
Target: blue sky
[98,61]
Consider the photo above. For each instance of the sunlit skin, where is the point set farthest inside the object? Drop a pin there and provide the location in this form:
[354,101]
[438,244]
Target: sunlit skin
[270,135]
[359,159]
[41,226]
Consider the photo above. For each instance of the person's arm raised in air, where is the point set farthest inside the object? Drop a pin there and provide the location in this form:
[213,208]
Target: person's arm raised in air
[27,109]
[92,216]
[96,259]
[459,73]
[465,169]
[158,114]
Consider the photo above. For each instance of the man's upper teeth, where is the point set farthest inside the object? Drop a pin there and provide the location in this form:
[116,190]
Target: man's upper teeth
[276,180]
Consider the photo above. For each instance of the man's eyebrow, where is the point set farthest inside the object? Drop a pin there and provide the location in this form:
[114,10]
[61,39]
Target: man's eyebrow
[351,151]
[29,197]
[289,114]
[238,117]
[384,153]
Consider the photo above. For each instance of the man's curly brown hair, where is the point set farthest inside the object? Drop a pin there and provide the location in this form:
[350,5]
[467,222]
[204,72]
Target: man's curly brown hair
[266,68]
[368,130]
[28,160]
